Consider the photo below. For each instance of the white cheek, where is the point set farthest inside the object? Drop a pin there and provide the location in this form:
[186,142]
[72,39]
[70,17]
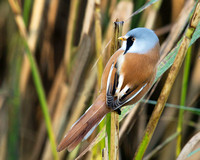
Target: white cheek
[123,45]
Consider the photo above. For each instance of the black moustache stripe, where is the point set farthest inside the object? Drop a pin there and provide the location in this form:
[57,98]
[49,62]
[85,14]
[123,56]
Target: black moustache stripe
[129,43]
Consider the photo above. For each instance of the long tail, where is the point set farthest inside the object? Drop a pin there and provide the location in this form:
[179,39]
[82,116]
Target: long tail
[87,121]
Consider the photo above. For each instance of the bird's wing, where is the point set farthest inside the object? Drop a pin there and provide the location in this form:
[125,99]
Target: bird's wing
[117,96]
[112,83]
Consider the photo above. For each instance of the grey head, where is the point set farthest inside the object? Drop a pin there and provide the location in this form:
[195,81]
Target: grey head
[139,40]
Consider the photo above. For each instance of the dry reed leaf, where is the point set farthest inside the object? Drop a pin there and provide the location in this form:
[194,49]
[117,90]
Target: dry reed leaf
[114,134]
[105,155]
[189,147]
[163,30]
[195,154]
[177,28]
[47,54]
[121,12]
[92,144]
[3,126]
[88,18]
[80,106]
[79,69]
[104,5]
[177,5]
[55,90]
[152,15]
[2,99]
[70,31]
[56,119]
[81,62]
[34,28]
[160,147]
[128,120]
[52,99]
[3,142]
[112,7]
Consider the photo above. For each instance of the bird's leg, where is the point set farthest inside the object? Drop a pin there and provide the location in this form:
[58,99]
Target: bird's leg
[118,110]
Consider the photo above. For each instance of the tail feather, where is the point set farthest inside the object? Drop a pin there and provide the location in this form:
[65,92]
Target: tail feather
[80,129]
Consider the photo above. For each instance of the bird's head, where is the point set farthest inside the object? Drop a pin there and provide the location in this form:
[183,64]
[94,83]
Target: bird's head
[139,40]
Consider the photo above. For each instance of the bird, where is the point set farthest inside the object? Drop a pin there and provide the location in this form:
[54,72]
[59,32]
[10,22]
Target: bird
[127,77]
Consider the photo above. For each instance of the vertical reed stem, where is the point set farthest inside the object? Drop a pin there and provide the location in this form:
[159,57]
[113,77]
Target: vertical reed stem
[183,99]
[98,43]
[168,84]
[113,118]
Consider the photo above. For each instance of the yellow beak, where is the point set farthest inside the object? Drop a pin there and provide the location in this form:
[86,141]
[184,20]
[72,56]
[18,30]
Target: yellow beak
[122,38]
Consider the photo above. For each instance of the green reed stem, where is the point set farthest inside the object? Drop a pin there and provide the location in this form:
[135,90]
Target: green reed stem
[42,99]
[183,99]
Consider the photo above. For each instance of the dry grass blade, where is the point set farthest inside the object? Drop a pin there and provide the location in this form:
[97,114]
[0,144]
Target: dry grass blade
[114,144]
[52,100]
[56,119]
[81,62]
[98,40]
[177,28]
[88,18]
[163,30]
[152,14]
[128,120]
[188,148]
[3,147]
[176,7]
[93,143]
[122,10]
[105,155]
[18,18]
[161,146]
[31,38]
[141,9]
[80,106]
[47,54]
[70,32]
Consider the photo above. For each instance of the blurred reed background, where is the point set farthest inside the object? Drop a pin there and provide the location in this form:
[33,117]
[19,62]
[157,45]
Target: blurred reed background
[66,46]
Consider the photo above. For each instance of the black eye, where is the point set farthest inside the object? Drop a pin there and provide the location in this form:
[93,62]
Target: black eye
[133,39]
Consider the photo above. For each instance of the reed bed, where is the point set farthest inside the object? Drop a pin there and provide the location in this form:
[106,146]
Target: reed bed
[52,55]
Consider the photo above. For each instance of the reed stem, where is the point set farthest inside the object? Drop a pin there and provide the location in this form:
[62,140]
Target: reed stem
[168,84]
[183,99]
[113,118]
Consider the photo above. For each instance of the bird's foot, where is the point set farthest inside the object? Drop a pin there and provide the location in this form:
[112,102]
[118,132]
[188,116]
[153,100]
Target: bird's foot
[118,111]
